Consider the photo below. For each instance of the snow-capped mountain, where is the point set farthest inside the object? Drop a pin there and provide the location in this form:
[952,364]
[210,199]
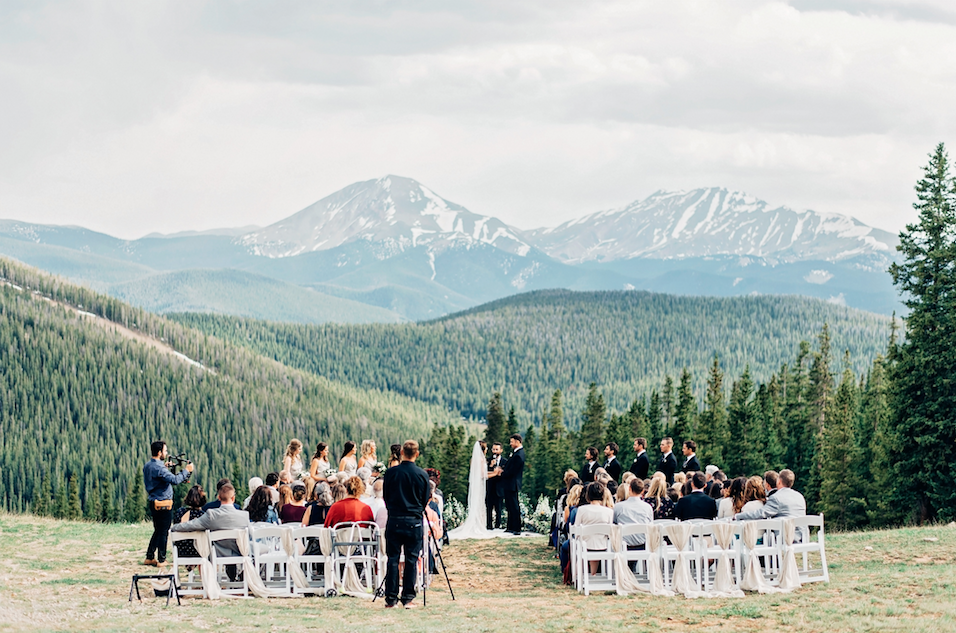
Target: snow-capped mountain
[394,213]
[707,222]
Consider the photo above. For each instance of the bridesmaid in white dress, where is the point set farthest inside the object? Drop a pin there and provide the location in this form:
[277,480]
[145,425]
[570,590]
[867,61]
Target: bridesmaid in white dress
[320,462]
[293,459]
[348,464]
[368,458]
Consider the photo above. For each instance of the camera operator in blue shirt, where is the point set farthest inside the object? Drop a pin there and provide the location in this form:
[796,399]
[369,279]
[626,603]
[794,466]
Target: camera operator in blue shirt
[159,481]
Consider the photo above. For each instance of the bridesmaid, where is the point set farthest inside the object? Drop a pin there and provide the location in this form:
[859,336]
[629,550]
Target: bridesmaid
[320,462]
[348,463]
[293,459]
[368,459]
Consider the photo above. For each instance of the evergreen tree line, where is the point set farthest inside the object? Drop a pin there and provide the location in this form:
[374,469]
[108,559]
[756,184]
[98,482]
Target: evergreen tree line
[80,403]
[523,346]
[869,448]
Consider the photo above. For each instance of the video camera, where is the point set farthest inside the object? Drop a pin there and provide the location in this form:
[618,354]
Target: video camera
[175,462]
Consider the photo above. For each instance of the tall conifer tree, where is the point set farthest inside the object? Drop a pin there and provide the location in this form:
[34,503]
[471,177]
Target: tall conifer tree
[712,433]
[497,423]
[593,419]
[685,413]
[923,427]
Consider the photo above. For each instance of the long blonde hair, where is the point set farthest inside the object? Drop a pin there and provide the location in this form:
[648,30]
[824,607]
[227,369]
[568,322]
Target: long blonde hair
[658,491]
[294,447]
[368,448]
[574,496]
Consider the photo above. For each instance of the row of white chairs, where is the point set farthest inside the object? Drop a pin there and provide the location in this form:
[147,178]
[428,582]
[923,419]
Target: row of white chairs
[701,554]
[289,560]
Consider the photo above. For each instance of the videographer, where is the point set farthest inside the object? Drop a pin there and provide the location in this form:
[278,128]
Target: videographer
[159,481]
[406,492]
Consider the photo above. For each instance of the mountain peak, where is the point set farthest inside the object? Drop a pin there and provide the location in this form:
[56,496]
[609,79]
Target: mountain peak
[393,211]
[711,221]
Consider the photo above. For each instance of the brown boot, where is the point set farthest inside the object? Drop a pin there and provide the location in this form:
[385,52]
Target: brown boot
[151,562]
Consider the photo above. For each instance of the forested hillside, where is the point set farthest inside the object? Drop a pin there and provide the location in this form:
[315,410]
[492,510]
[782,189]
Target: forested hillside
[527,346]
[79,402]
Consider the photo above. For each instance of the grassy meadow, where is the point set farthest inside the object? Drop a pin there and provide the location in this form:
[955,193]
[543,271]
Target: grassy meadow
[74,576]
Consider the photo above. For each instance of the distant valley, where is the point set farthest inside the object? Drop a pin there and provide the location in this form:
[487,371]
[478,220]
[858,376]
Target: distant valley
[391,249]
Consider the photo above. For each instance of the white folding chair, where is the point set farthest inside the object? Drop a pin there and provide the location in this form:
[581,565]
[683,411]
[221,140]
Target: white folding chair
[642,559]
[237,587]
[769,551]
[807,545]
[271,559]
[710,552]
[358,545]
[603,580]
[192,585]
[669,553]
[313,566]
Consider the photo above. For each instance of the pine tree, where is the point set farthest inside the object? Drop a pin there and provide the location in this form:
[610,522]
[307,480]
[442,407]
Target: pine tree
[639,422]
[712,432]
[41,503]
[877,449]
[92,507]
[740,416]
[685,413]
[922,428]
[821,391]
[667,406]
[74,510]
[135,504]
[841,490]
[107,510]
[619,432]
[495,417]
[60,505]
[775,425]
[511,427]
[593,418]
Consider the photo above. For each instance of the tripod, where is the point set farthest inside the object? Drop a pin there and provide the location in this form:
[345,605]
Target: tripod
[431,534]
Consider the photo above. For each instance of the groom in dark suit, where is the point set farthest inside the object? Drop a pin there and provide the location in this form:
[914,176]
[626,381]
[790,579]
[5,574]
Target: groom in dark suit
[510,483]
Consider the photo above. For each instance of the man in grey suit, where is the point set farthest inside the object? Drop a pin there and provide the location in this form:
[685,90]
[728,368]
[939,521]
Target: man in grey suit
[225,517]
[786,502]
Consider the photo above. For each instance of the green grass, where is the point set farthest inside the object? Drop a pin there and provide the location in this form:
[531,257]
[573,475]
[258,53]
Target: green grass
[62,576]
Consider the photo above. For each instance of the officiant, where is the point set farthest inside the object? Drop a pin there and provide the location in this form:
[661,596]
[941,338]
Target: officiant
[494,499]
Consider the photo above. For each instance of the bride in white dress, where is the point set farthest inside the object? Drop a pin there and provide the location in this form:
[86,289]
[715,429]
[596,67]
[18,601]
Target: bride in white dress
[474,525]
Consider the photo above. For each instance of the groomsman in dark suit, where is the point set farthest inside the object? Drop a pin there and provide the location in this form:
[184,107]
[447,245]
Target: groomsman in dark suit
[641,464]
[611,465]
[590,464]
[668,463]
[494,500]
[510,475]
[691,464]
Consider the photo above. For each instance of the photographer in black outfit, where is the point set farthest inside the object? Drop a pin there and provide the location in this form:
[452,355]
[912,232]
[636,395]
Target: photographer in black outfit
[159,482]
[406,492]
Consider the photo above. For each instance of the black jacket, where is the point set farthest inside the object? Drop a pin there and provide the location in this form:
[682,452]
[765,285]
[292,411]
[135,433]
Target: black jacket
[641,466]
[696,505]
[692,465]
[613,468]
[512,471]
[668,466]
[406,490]
[587,471]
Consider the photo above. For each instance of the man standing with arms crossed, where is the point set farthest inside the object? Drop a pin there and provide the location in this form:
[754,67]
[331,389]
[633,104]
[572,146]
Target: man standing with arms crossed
[159,483]
[406,492]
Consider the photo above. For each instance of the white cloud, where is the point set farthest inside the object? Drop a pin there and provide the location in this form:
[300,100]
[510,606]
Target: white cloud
[134,117]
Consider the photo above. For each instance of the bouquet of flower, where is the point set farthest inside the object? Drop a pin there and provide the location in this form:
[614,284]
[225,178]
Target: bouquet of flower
[329,472]
[380,468]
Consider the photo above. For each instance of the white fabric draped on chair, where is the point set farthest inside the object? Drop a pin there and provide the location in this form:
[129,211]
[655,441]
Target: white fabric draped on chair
[683,581]
[626,582]
[724,585]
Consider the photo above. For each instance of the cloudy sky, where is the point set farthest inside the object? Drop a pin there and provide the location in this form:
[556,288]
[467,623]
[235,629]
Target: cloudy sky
[131,117]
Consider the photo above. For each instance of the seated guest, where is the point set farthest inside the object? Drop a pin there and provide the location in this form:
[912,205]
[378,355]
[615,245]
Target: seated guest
[754,494]
[571,503]
[374,500]
[657,497]
[680,478]
[191,509]
[272,481]
[696,505]
[339,491]
[350,509]
[674,492]
[633,510]
[770,482]
[285,496]
[294,509]
[227,516]
[434,476]
[254,484]
[733,501]
[595,512]
[260,507]
[318,506]
[285,477]
[786,502]
[215,503]
[365,474]
[601,476]
[622,492]
[716,492]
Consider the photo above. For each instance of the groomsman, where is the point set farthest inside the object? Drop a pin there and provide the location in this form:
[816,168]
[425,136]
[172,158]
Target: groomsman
[691,464]
[668,463]
[611,465]
[590,464]
[641,464]
[494,500]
